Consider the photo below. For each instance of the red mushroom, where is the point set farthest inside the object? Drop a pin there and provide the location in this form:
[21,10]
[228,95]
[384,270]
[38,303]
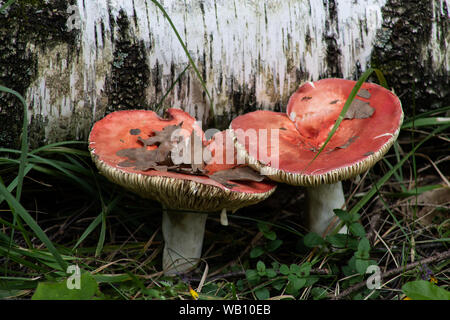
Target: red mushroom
[370,127]
[136,149]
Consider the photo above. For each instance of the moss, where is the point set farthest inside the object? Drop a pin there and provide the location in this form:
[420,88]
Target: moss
[25,24]
[398,52]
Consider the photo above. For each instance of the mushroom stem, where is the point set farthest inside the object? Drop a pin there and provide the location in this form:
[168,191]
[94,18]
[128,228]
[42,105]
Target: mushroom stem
[183,234]
[224,217]
[321,202]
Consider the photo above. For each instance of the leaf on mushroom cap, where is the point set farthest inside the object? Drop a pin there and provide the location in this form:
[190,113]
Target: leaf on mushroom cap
[144,159]
[193,151]
[368,130]
[359,110]
[173,185]
[163,137]
[241,173]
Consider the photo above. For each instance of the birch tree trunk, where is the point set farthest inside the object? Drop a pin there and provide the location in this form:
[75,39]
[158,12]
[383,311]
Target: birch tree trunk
[76,61]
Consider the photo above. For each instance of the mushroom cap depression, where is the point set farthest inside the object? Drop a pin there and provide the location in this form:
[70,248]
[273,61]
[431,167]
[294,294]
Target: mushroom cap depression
[125,130]
[370,127]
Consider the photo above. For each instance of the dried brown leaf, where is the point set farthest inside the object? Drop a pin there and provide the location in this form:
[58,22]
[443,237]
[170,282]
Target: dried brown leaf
[236,174]
[359,110]
[435,206]
[161,137]
[364,93]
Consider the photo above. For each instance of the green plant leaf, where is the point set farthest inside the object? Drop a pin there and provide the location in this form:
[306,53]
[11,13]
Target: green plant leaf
[263,227]
[304,270]
[261,268]
[278,284]
[273,245]
[295,284]
[60,290]
[312,240]
[256,252]
[269,234]
[310,280]
[341,241]
[361,265]
[424,290]
[252,276]
[343,215]
[299,283]
[363,248]
[271,273]
[357,229]
[294,268]
[284,270]
[262,293]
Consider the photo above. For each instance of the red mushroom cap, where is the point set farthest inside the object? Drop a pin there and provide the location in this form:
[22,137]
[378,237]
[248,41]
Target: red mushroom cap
[368,130]
[120,130]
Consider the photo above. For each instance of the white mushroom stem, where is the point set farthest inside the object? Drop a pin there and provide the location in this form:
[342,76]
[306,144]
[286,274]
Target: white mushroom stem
[321,202]
[183,234]
[224,217]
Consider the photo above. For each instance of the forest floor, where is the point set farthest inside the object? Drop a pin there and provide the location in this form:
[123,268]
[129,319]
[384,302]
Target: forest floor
[69,215]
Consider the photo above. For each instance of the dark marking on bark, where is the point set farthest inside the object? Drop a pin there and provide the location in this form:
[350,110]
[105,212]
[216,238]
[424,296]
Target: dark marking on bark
[333,53]
[130,76]
[112,22]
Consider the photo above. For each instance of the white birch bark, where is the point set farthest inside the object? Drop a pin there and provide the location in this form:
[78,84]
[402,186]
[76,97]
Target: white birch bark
[261,49]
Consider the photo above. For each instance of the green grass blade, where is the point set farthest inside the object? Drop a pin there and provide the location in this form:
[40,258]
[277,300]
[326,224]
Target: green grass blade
[14,256]
[23,155]
[410,193]
[101,238]
[24,141]
[15,182]
[88,230]
[381,78]
[426,122]
[6,5]
[40,234]
[191,61]
[386,177]
[63,167]
[99,219]
[347,104]
[428,114]
[159,105]
[60,147]
[103,214]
